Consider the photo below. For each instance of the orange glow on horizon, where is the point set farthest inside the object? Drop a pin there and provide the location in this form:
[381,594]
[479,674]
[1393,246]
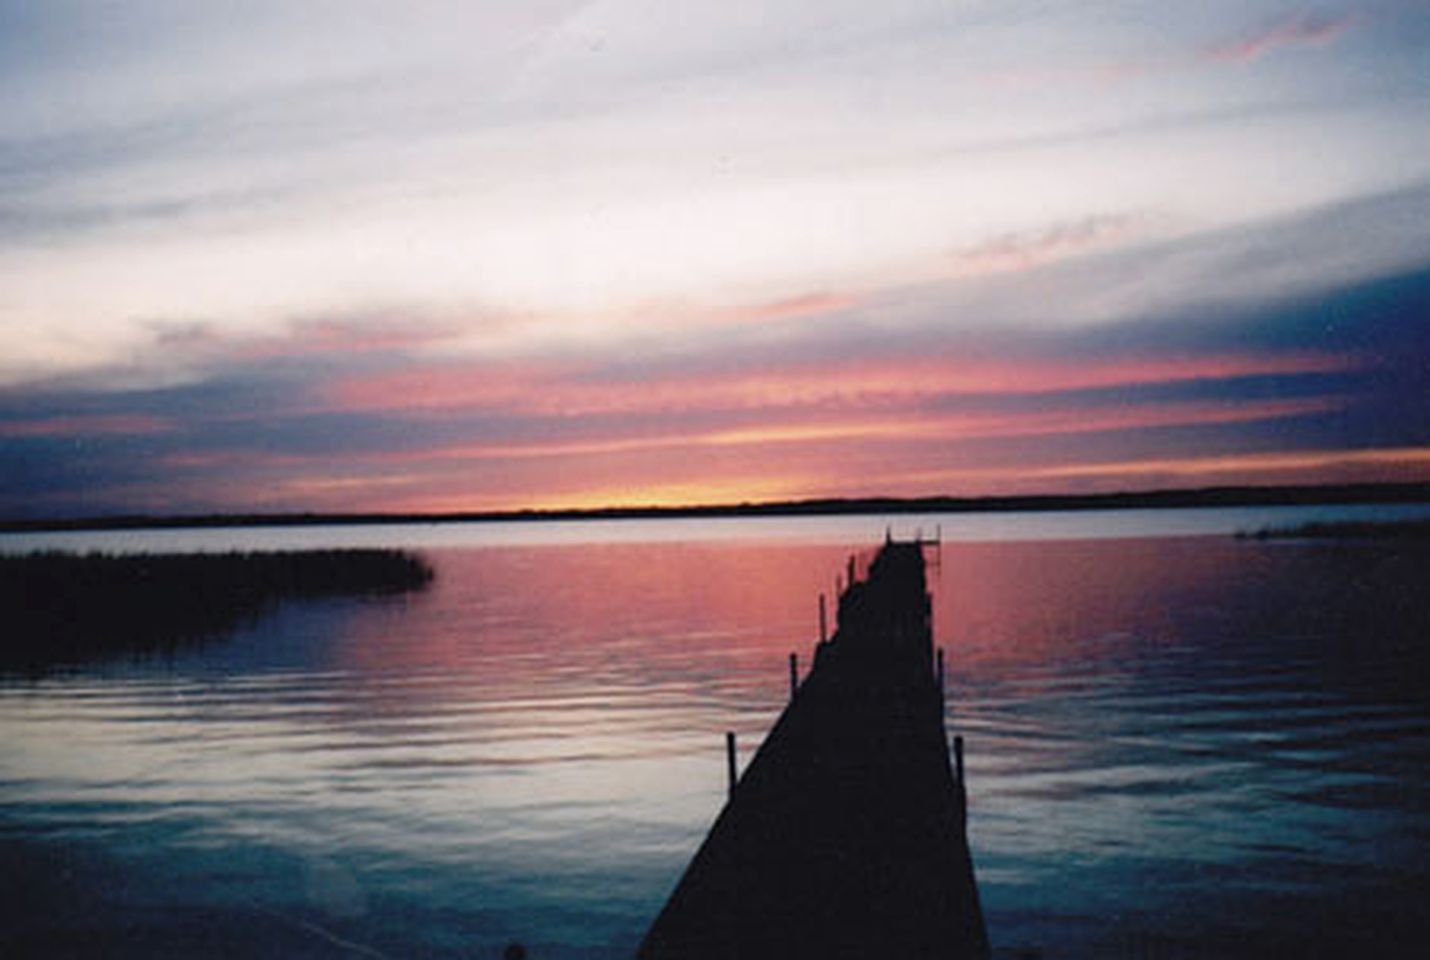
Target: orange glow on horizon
[734,490]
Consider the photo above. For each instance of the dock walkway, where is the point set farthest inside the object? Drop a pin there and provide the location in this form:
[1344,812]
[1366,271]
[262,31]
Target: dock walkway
[845,836]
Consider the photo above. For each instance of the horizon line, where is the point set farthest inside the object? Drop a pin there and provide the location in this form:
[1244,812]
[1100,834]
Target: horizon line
[1168,497]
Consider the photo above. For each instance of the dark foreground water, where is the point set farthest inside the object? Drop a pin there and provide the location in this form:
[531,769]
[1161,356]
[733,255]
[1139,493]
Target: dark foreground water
[1178,747]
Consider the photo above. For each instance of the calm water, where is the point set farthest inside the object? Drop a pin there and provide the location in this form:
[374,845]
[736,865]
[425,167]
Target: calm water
[1179,746]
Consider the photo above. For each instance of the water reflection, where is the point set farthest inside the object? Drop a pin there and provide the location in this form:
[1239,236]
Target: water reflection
[1193,747]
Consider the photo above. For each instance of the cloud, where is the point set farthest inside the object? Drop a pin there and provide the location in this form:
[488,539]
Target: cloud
[388,334]
[300,417]
[83,425]
[1373,465]
[788,308]
[1197,287]
[1384,464]
[1302,30]
[505,435]
[898,426]
[573,389]
[684,169]
[1028,249]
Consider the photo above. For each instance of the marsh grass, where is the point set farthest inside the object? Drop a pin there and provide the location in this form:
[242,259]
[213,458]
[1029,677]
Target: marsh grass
[1345,530]
[65,608]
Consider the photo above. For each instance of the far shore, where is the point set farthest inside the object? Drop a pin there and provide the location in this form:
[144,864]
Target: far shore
[1240,496]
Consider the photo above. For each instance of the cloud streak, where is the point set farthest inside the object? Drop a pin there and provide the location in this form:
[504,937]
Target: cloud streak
[86,425]
[1029,249]
[905,426]
[573,389]
[1303,30]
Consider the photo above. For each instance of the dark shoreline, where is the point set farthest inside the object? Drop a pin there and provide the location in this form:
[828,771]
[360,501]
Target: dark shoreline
[1239,496]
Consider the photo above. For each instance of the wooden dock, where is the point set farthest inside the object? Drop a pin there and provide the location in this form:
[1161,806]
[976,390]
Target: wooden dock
[845,837]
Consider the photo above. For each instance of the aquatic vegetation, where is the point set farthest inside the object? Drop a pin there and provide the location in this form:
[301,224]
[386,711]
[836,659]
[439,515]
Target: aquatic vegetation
[66,608]
[1345,530]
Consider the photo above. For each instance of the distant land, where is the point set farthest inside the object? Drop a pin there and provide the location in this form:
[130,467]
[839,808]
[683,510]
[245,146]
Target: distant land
[1242,496]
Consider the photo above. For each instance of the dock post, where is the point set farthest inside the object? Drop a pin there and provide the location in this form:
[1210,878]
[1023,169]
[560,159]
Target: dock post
[823,623]
[851,570]
[963,789]
[730,758]
[793,674]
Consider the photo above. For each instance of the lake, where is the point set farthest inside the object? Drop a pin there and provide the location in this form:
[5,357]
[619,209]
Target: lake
[1180,744]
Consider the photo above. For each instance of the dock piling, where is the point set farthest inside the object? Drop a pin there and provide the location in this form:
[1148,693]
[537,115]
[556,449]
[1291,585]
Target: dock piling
[730,758]
[793,674]
[962,789]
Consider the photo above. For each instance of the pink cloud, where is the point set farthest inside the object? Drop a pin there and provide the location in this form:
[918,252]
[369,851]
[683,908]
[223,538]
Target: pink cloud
[1304,30]
[1300,30]
[350,337]
[567,390]
[460,386]
[789,308]
[692,315]
[897,425]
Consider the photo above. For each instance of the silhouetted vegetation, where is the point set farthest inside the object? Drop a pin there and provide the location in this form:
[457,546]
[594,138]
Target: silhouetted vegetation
[66,608]
[1346,530]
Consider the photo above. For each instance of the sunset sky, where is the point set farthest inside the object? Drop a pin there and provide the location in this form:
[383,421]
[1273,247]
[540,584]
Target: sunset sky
[427,256]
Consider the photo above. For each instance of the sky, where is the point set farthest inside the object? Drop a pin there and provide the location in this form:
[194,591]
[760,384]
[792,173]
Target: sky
[354,256]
